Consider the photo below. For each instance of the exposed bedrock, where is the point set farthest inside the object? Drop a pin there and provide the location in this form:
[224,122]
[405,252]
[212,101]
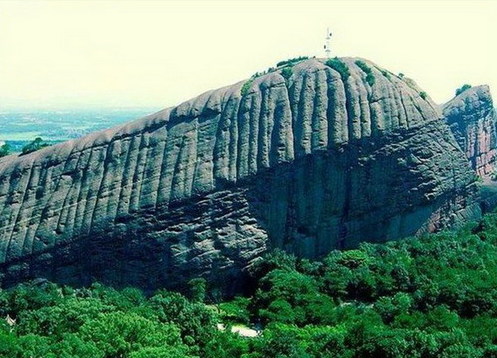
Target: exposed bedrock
[473,120]
[307,164]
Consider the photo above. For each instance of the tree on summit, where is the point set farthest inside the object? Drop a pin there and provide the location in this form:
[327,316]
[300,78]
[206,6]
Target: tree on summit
[35,145]
[462,89]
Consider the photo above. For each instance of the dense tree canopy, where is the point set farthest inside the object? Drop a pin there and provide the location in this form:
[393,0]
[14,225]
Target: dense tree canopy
[435,296]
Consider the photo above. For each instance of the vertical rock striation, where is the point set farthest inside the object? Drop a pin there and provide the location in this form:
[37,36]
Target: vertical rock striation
[310,163]
[473,120]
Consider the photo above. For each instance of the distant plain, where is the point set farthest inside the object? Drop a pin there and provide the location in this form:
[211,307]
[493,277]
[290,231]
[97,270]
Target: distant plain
[20,127]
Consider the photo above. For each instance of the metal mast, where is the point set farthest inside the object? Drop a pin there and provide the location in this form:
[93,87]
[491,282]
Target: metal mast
[327,48]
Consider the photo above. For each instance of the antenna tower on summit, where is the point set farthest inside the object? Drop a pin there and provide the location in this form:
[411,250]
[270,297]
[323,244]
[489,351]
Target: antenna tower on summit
[327,48]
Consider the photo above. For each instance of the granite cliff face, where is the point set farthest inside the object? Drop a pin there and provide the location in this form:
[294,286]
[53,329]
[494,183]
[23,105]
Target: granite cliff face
[472,118]
[308,162]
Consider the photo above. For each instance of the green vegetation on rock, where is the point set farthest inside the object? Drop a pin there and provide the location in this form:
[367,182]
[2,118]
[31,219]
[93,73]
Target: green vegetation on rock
[292,61]
[4,150]
[339,66]
[287,73]
[430,297]
[462,89]
[246,86]
[35,145]
[423,95]
[385,73]
[370,79]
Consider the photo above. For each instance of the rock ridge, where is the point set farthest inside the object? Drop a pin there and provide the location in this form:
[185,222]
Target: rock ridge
[306,163]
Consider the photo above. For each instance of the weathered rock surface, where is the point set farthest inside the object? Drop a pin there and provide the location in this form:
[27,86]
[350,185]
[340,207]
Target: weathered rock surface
[473,120]
[308,165]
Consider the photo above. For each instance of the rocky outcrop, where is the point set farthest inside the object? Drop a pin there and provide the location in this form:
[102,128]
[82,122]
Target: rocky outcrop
[308,162]
[473,120]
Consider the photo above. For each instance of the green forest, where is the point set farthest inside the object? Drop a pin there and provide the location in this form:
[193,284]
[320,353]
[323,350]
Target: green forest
[434,296]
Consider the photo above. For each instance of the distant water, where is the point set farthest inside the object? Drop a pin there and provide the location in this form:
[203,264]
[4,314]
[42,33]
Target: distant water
[17,128]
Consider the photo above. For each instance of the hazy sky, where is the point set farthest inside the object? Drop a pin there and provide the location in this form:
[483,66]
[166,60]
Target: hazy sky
[64,54]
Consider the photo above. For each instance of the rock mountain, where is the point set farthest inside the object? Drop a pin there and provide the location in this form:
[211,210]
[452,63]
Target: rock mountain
[472,118]
[307,158]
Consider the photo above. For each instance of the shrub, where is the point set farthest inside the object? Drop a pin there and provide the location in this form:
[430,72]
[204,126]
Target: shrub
[339,66]
[462,89]
[35,145]
[401,75]
[287,73]
[292,61]
[246,86]
[4,150]
[385,73]
[363,66]
[370,79]
[423,95]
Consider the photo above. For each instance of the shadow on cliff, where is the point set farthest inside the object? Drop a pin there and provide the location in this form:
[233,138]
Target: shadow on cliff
[364,192]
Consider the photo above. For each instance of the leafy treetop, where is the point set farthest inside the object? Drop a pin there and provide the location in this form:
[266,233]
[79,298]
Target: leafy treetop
[35,145]
[4,150]
[462,89]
